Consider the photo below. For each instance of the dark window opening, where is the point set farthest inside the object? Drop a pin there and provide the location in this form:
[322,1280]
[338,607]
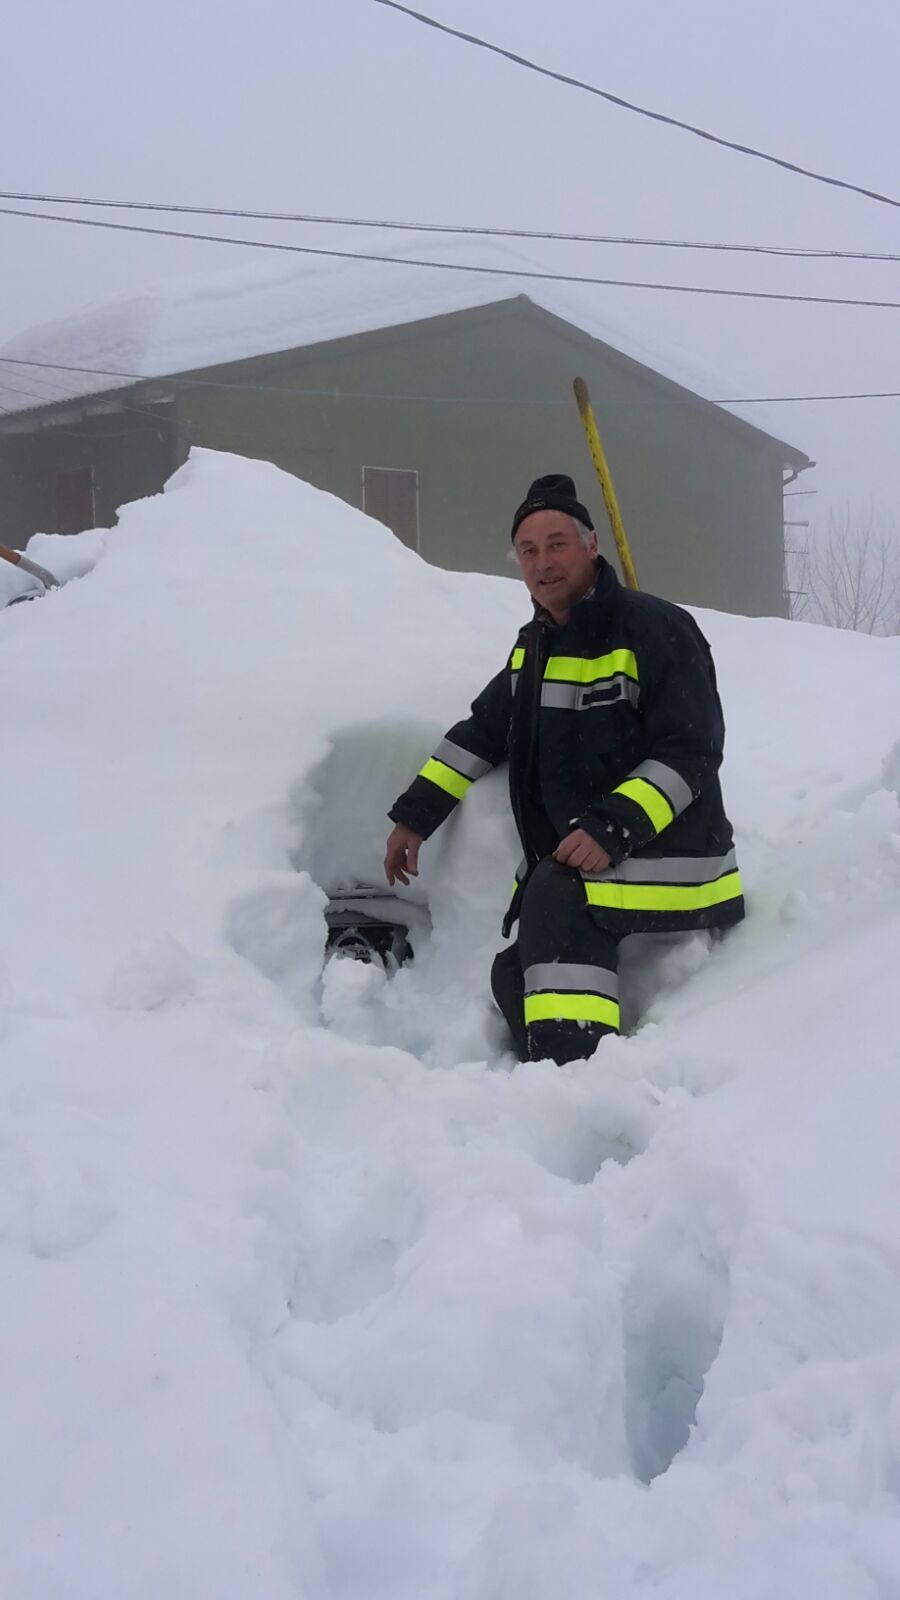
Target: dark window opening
[391,495]
[75,509]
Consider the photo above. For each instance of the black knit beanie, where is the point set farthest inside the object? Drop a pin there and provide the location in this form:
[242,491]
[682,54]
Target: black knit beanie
[556,492]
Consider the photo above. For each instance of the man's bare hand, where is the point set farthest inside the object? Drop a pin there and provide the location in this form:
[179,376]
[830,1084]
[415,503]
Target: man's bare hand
[402,855]
[579,850]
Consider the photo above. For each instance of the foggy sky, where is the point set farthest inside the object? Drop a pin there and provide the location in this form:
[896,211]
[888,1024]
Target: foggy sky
[344,107]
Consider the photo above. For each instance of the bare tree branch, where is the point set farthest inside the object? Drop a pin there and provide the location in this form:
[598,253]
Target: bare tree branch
[851,576]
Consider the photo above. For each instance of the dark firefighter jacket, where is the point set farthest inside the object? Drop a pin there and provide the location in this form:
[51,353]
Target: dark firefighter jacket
[611,723]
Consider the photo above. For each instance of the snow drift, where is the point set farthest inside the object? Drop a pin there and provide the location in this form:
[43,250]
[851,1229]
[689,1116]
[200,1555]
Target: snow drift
[308,1292]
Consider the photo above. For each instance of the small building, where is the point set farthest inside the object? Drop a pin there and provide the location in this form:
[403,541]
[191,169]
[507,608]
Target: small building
[429,398]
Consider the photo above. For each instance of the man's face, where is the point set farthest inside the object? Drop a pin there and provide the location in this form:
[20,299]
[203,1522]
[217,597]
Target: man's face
[556,566]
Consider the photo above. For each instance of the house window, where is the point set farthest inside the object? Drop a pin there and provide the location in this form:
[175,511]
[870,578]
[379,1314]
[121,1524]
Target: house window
[75,509]
[391,495]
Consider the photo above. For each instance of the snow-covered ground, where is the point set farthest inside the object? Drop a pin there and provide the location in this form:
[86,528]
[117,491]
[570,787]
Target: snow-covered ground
[308,1292]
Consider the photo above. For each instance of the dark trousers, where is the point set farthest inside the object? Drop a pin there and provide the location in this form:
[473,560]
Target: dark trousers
[557,985]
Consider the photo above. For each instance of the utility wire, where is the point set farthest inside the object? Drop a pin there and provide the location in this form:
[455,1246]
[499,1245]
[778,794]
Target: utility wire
[45,398]
[62,396]
[465,229]
[44,393]
[643,111]
[454,266]
[169,380]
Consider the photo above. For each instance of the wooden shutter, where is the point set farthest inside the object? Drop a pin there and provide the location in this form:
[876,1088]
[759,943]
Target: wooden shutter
[391,495]
[75,500]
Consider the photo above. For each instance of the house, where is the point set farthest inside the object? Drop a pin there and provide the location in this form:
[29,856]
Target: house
[430,398]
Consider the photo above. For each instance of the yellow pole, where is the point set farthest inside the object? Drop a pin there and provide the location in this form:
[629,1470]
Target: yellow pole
[606,484]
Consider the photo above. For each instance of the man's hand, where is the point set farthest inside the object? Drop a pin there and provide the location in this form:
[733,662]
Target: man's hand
[579,850]
[402,855]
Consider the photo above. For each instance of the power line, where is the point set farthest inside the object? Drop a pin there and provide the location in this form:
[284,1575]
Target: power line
[333,394]
[465,229]
[455,266]
[785,399]
[43,394]
[32,394]
[643,111]
[169,380]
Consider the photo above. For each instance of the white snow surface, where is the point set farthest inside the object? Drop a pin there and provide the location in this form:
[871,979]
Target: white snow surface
[311,1293]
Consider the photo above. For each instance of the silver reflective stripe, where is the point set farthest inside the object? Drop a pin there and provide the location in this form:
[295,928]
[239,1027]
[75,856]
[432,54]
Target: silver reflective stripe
[572,977]
[667,869]
[594,696]
[521,869]
[463,761]
[562,696]
[589,696]
[672,784]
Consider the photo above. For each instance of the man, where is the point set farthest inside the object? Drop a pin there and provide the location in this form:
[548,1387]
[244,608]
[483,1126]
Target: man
[609,716]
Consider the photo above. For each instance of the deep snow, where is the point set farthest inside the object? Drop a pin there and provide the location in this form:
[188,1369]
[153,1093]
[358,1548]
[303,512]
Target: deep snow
[308,1291]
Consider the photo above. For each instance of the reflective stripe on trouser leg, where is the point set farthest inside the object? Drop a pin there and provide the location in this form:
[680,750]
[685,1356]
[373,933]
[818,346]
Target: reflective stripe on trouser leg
[569,966]
[657,894]
[571,991]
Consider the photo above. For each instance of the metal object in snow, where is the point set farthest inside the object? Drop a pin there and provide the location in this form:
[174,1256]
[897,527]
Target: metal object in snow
[368,925]
[16,558]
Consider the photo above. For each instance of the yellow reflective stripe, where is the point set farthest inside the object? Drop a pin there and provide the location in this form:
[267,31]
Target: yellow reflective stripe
[664,896]
[581,669]
[453,782]
[649,799]
[518,656]
[571,1008]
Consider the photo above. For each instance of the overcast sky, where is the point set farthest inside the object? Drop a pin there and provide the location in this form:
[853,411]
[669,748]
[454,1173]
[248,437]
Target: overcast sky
[344,107]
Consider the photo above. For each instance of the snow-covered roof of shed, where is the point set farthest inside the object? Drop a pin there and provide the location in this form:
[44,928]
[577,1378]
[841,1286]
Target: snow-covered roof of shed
[184,324]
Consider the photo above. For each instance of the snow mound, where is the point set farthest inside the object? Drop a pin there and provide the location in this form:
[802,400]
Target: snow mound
[308,1292]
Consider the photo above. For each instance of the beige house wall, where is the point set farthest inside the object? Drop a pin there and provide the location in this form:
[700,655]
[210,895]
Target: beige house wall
[131,455]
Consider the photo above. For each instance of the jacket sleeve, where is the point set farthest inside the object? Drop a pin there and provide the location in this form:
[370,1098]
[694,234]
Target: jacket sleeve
[684,740]
[469,750]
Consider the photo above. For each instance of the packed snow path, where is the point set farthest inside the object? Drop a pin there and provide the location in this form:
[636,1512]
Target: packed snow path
[309,1293]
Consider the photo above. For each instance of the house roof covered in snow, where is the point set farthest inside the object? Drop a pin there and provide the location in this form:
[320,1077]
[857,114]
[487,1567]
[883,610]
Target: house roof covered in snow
[197,322]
